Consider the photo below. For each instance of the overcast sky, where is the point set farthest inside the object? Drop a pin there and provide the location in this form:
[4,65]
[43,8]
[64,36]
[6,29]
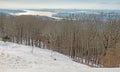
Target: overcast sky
[74,4]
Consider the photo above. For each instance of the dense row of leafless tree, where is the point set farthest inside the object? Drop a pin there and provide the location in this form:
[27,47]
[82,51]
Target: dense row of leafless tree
[84,40]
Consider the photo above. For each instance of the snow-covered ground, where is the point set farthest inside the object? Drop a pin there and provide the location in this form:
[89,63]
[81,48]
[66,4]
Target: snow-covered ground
[19,58]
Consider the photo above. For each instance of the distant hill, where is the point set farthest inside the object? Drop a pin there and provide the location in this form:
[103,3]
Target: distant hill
[66,13]
[9,11]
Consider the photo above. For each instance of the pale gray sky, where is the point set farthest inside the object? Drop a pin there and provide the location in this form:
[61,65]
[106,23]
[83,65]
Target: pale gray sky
[76,4]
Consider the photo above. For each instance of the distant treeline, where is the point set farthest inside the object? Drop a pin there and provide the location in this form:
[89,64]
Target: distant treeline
[92,41]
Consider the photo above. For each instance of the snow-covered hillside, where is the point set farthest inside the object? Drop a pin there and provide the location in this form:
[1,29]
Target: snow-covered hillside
[19,58]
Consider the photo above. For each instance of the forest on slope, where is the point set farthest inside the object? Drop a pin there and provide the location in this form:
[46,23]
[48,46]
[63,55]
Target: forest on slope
[90,40]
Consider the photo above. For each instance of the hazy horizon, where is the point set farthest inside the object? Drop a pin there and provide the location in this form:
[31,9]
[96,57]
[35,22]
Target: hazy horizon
[60,4]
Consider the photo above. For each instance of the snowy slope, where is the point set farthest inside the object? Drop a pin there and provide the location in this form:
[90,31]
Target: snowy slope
[19,58]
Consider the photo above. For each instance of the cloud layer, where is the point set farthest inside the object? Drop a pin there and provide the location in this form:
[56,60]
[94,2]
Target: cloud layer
[76,4]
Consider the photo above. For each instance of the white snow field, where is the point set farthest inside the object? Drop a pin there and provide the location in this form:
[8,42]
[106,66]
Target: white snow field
[19,58]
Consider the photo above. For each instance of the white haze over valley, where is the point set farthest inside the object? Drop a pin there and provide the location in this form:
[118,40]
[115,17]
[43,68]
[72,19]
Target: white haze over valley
[39,13]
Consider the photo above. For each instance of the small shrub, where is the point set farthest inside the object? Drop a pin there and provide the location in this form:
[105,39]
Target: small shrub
[6,38]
